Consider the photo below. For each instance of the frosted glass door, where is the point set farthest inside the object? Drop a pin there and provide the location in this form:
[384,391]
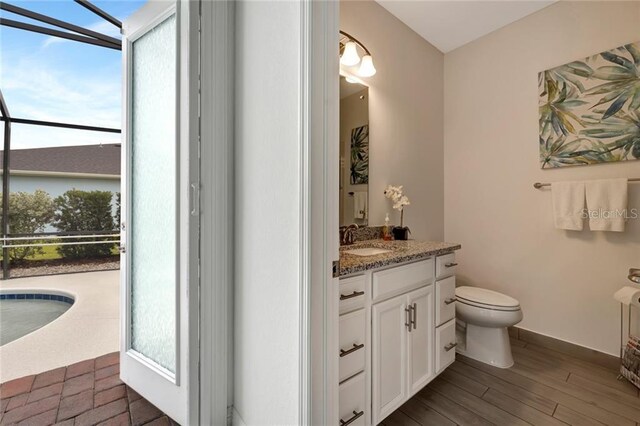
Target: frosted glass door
[159,346]
[153,198]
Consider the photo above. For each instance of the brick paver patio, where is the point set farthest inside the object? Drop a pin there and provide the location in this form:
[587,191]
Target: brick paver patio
[86,393]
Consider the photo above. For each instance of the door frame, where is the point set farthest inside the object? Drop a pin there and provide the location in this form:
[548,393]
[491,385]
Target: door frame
[320,102]
[216,210]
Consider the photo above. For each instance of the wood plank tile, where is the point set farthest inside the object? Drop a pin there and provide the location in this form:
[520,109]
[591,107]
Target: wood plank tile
[424,415]
[464,382]
[590,396]
[398,418]
[453,411]
[609,392]
[475,404]
[577,404]
[513,332]
[574,418]
[520,410]
[544,387]
[517,343]
[594,372]
[593,356]
[541,367]
[518,393]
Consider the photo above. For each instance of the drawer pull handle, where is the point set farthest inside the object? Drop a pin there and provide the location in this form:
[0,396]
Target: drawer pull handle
[450,346]
[352,350]
[450,265]
[450,301]
[356,416]
[349,296]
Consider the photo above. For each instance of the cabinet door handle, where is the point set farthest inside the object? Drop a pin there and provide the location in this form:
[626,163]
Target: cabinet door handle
[449,300]
[349,296]
[449,265]
[450,346]
[407,318]
[356,416]
[352,350]
[414,314]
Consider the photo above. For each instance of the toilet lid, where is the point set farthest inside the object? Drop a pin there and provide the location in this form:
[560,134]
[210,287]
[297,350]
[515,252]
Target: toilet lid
[486,297]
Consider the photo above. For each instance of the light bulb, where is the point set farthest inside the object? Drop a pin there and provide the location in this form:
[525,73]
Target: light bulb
[351,80]
[366,67]
[350,55]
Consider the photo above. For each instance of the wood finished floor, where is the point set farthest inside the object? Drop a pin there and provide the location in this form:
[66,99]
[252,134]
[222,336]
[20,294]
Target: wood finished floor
[544,387]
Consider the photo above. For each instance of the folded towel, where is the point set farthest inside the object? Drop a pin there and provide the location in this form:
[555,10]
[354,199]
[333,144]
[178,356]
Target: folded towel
[568,205]
[607,204]
[360,205]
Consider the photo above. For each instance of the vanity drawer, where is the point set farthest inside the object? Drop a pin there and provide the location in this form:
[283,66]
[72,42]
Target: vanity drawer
[445,345]
[352,291]
[446,300]
[352,401]
[446,265]
[352,349]
[401,279]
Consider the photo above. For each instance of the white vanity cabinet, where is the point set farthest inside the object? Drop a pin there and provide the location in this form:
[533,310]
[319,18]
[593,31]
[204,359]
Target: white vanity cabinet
[405,314]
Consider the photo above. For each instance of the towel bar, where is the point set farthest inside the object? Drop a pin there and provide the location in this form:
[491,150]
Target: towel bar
[539,185]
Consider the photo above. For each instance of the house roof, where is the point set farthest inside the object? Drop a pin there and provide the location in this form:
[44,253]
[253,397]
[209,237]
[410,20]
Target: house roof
[85,159]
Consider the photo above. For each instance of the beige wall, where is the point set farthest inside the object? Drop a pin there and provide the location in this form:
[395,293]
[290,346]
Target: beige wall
[354,112]
[405,117]
[564,280]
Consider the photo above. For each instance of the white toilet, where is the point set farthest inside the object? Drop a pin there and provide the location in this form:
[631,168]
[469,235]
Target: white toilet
[483,317]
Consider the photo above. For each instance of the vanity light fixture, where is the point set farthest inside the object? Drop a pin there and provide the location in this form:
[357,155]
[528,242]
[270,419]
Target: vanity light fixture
[349,56]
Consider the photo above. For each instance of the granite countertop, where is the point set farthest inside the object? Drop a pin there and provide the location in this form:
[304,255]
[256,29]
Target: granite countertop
[401,251]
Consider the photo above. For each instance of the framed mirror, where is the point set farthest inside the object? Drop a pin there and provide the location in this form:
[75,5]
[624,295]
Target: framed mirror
[354,153]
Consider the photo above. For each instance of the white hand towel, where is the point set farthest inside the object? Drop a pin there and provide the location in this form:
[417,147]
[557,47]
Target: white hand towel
[607,204]
[568,205]
[360,205]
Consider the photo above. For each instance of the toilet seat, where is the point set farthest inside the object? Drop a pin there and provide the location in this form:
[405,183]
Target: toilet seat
[486,299]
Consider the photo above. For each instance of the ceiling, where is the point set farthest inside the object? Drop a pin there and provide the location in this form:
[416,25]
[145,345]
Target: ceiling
[450,24]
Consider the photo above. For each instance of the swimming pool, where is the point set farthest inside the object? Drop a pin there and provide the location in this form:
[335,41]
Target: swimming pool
[23,313]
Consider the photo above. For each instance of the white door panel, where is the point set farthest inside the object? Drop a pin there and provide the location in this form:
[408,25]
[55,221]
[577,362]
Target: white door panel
[158,229]
[421,368]
[389,356]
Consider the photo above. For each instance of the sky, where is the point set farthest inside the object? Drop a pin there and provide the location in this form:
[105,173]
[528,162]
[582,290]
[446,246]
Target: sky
[52,79]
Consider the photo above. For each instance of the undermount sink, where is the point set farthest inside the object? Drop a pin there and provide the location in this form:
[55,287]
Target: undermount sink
[367,251]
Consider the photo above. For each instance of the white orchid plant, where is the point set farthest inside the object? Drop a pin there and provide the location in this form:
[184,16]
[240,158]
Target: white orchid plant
[394,193]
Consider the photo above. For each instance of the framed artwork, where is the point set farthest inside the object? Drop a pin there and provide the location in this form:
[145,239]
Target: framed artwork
[589,110]
[360,155]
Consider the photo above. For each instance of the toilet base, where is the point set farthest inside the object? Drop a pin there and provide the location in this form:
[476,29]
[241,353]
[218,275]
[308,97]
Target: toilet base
[487,344]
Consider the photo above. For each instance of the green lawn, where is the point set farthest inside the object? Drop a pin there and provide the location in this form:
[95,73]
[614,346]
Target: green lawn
[51,253]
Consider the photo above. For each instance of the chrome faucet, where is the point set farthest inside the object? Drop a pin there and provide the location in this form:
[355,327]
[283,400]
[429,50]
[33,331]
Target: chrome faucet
[347,234]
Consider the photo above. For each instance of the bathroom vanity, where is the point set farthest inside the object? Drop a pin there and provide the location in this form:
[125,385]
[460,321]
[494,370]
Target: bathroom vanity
[396,324]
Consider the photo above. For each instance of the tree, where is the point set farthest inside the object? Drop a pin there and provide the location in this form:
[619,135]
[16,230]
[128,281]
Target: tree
[78,210]
[29,213]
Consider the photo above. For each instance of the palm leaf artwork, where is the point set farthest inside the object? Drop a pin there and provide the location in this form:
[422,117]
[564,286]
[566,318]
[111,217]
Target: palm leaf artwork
[360,155]
[589,110]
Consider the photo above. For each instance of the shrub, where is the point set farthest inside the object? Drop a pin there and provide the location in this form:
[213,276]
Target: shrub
[29,213]
[78,210]
[118,217]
